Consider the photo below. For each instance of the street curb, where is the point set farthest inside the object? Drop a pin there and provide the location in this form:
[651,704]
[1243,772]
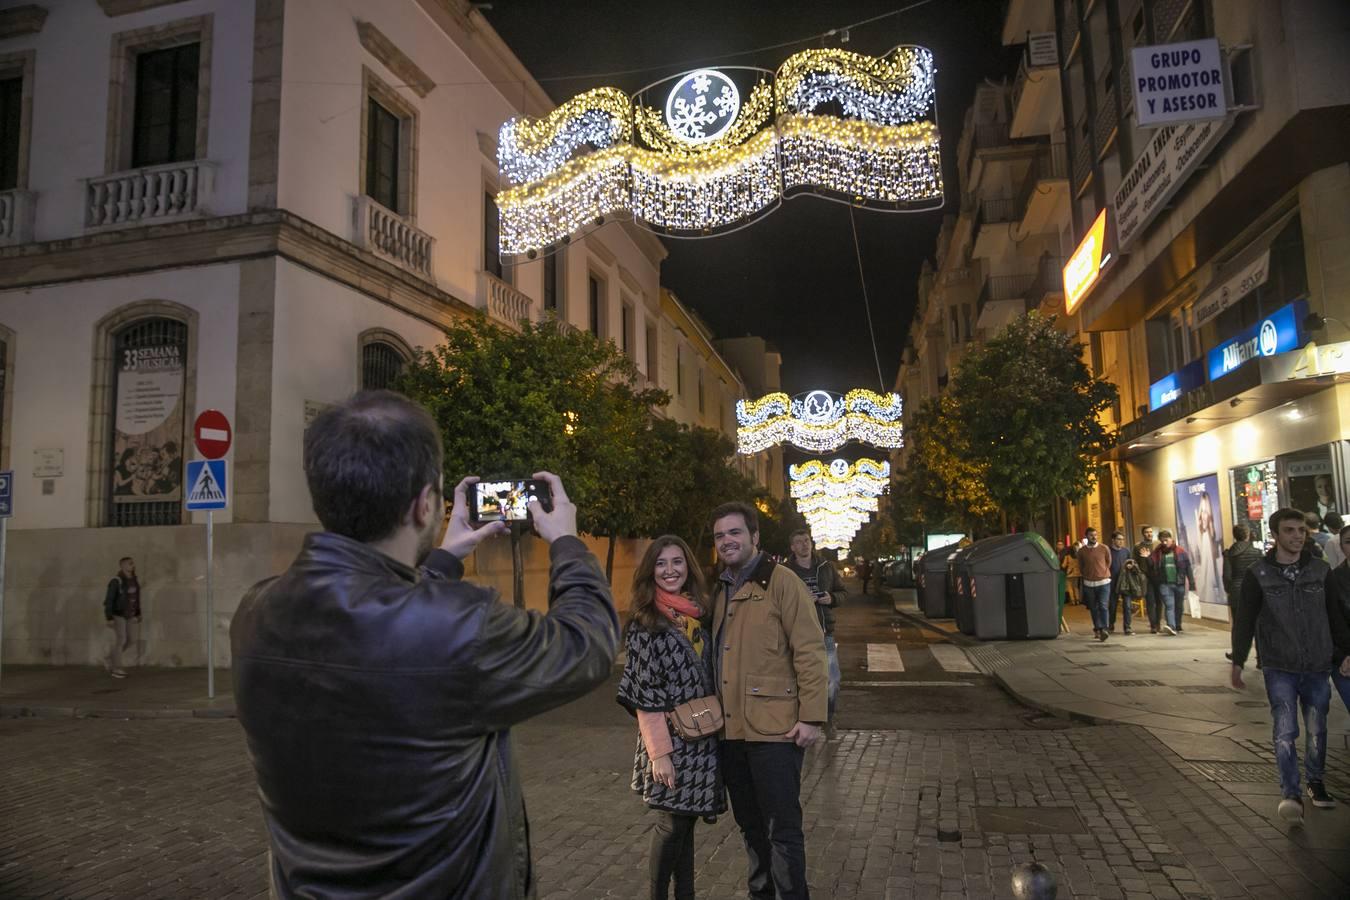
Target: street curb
[1049,710]
[21,711]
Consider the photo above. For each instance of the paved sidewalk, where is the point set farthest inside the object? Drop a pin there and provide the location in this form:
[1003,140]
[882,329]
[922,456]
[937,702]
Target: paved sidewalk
[90,692]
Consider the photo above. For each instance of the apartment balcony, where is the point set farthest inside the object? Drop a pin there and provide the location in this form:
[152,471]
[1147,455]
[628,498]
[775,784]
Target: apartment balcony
[16,217]
[392,237]
[503,303]
[150,195]
[1002,299]
[1037,104]
[1046,293]
[1043,200]
[994,220]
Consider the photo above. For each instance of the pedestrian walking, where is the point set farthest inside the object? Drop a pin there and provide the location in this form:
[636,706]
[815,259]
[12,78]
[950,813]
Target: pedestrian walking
[1072,577]
[670,663]
[1132,585]
[822,580]
[377,688]
[1143,557]
[1120,554]
[1172,576]
[122,612]
[1333,523]
[1318,537]
[1290,606]
[1240,556]
[865,573]
[769,659]
[1094,560]
[1341,574]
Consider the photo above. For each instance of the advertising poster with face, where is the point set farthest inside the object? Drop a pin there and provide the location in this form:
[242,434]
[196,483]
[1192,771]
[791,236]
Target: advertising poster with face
[148,428]
[1200,534]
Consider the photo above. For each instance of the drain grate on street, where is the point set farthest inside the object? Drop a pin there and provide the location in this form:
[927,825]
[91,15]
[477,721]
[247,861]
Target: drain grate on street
[1029,820]
[1203,689]
[1217,770]
[1135,682]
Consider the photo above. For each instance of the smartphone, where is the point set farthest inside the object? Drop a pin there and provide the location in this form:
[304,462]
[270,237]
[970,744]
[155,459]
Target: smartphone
[508,501]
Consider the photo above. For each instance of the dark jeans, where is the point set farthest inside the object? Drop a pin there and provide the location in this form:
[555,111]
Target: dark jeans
[764,782]
[1095,598]
[1342,687]
[1153,603]
[1173,597]
[672,856]
[1117,601]
[1289,692]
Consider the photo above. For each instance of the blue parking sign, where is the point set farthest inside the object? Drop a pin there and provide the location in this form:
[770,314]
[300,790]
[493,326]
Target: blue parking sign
[6,494]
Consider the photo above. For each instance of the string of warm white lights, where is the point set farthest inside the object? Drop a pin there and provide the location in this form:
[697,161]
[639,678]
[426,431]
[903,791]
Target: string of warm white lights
[715,163]
[819,421]
[866,478]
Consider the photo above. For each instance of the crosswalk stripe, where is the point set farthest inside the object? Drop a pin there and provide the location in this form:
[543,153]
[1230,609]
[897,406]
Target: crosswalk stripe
[884,658]
[952,658]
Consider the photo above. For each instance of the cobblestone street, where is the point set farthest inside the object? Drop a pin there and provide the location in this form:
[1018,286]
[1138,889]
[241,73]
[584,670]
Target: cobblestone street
[943,808]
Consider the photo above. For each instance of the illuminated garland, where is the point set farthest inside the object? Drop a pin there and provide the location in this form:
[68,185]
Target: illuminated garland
[819,421]
[866,477]
[580,164]
[828,504]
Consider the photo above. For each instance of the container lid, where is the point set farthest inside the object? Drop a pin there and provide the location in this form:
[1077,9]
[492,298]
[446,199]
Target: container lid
[936,560]
[1028,543]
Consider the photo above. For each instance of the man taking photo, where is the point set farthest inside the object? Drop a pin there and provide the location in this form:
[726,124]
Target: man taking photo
[377,689]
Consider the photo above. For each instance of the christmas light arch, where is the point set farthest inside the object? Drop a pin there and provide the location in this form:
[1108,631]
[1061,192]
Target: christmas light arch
[819,421]
[723,147]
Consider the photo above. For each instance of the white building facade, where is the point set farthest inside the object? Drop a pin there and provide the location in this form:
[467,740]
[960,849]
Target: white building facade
[254,206]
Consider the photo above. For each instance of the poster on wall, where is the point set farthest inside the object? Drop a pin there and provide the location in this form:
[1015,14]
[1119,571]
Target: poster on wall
[1200,534]
[148,427]
[1312,486]
[1255,496]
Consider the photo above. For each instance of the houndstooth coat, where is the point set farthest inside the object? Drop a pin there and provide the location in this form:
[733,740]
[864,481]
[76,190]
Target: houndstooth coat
[662,672]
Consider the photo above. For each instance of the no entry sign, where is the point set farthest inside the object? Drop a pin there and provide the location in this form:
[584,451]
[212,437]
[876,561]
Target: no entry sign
[212,434]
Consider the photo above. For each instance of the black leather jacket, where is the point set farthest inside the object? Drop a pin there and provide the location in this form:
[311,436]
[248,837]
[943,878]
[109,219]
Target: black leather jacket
[377,705]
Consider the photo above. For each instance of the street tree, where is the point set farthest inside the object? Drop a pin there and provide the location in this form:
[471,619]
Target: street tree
[944,484]
[1030,413]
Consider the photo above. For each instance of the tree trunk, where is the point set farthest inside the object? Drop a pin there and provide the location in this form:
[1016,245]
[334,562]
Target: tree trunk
[609,561]
[517,569]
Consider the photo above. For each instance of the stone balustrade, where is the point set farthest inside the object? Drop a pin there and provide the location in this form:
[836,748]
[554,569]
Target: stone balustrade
[391,236]
[149,195]
[502,301]
[16,217]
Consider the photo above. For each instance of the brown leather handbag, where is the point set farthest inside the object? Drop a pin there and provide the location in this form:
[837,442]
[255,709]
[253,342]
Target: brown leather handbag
[698,718]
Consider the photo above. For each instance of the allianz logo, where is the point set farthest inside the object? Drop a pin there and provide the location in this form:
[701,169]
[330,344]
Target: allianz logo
[1265,343]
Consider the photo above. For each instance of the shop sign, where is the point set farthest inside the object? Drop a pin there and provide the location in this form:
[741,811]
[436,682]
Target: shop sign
[1233,289]
[1312,361]
[1082,269]
[1279,332]
[1167,160]
[1308,467]
[1042,49]
[1180,82]
[1166,390]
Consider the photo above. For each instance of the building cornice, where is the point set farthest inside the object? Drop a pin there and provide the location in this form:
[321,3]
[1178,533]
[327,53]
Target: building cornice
[222,239]
[113,8]
[21,20]
[378,45]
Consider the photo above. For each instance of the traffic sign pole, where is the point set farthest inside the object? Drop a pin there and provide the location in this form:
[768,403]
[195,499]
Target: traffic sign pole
[213,435]
[210,610]
[4,533]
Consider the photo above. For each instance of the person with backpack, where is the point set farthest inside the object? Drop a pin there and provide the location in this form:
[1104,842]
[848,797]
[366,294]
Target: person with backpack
[122,610]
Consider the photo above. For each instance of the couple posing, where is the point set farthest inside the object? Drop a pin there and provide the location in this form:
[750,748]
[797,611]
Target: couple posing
[753,640]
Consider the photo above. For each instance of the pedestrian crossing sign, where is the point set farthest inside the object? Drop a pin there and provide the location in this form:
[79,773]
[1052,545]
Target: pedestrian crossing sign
[206,484]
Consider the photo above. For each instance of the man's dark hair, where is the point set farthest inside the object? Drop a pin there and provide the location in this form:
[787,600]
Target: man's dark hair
[123,559]
[1345,531]
[1240,533]
[1333,521]
[1284,515]
[795,534]
[1312,520]
[1164,534]
[736,508]
[1117,534]
[366,459]
[1143,528]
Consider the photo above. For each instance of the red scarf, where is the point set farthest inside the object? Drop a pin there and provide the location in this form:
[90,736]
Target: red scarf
[673,605]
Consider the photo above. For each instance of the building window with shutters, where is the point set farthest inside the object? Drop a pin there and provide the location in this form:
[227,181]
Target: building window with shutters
[492,239]
[164,112]
[388,147]
[653,354]
[148,420]
[553,283]
[382,154]
[11,130]
[626,340]
[384,359]
[595,305]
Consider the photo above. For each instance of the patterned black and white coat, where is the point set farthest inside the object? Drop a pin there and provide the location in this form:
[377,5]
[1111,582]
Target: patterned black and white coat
[662,672]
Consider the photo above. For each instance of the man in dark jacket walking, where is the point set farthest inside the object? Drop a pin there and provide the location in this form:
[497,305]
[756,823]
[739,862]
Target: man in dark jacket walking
[377,697]
[122,611]
[822,580]
[1289,606]
[1143,557]
[1237,559]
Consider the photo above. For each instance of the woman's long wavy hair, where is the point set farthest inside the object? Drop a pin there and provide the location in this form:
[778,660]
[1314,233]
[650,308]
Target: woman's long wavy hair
[643,612]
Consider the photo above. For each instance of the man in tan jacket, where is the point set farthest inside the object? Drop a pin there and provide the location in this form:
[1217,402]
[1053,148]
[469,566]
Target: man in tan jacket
[771,672]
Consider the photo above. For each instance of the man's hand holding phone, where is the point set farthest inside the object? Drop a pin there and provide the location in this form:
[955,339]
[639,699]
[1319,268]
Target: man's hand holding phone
[561,520]
[461,536]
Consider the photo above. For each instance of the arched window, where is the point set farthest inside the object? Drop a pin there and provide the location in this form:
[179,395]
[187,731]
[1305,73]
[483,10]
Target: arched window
[384,356]
[149,401]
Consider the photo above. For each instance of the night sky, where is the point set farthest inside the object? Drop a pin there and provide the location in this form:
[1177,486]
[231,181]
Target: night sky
[793,277]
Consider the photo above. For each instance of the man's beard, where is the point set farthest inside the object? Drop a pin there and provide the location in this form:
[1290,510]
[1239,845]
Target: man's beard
[426,540]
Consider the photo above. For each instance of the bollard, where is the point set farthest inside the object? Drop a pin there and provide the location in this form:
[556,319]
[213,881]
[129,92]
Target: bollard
[1033,881]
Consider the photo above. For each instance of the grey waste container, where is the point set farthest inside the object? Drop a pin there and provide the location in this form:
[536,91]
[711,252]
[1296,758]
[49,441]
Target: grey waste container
[1013,583]
[959,590]
[933,590]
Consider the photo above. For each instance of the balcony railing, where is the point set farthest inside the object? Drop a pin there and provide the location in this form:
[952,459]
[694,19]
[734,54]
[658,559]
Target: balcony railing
[1049,281]
[991,134]
[1049,164]
[994,210]
[149,195]
[1004,287]
[503,302]
[16,217]
[389,235]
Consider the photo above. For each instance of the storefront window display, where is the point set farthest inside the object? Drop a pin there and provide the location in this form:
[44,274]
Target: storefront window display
[1312,485]
[1200,534]
[1255,496]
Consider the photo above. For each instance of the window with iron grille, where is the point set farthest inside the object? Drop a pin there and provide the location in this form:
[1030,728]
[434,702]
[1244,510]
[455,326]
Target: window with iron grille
[164,122]
[383,155]
[148,399]
[381,365]
[11,124]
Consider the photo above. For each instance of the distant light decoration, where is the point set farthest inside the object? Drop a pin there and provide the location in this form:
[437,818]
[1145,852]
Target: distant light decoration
[708,156]
[819,421]
[856,503]
[864,478]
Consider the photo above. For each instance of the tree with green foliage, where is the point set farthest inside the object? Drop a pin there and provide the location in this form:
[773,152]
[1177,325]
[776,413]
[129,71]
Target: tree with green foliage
[944,484]
[1028,412]
[510,403]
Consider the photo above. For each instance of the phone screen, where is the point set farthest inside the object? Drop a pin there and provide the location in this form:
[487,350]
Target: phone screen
[505,501]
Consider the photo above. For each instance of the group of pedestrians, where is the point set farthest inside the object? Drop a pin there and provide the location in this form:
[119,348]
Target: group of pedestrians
[1111,579]
[377,688]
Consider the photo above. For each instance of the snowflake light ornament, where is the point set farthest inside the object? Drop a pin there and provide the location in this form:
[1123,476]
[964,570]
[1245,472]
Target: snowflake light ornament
[687,111]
